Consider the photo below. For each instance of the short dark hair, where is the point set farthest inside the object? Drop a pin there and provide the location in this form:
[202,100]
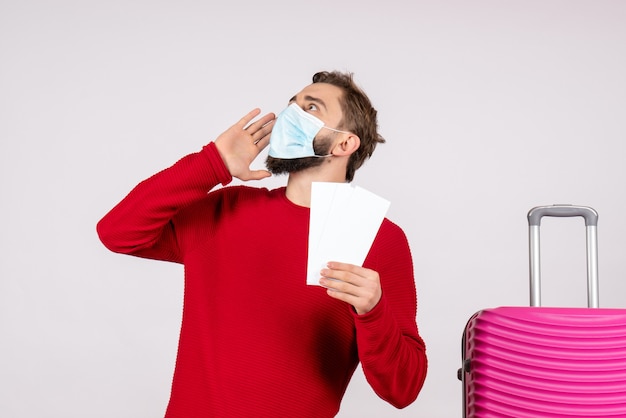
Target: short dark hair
[359,117]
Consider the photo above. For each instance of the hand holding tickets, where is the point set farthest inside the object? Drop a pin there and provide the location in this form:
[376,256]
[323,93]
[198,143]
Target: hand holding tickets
[344,221]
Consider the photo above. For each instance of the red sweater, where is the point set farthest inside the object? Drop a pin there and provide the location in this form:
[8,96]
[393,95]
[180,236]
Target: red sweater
[256,340]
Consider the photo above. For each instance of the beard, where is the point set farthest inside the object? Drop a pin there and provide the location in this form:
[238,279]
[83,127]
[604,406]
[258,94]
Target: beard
[321,147]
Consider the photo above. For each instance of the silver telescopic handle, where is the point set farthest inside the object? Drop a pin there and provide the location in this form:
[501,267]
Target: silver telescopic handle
[591,223]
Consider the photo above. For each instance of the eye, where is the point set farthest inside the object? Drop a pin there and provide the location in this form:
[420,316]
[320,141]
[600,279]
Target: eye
[311,107]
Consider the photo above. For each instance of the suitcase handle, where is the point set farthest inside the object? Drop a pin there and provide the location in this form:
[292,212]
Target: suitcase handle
[591,222]
[535,214]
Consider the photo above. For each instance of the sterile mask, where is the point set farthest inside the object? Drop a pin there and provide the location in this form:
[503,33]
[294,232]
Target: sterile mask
[293,133]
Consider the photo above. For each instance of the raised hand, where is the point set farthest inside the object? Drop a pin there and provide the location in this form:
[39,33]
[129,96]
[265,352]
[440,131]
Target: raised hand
[240,144]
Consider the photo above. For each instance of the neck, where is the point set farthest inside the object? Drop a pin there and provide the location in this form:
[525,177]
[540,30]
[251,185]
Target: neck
[299,183]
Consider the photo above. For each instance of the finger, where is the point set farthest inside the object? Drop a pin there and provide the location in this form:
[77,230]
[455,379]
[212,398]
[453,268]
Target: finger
[335,265]
[360,304]
[341,290]
[246,119]
[341,275]
[262,136]
[262,142]
[346,297]
[261,123]
[340,286]
[261,127]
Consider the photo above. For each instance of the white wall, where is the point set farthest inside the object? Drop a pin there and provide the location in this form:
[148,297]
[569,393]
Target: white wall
[489,108]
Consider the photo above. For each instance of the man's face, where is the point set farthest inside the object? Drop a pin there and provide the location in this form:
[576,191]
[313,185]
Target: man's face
[321,100]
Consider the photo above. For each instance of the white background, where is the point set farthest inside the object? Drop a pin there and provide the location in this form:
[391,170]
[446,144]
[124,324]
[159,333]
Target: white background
[489,108]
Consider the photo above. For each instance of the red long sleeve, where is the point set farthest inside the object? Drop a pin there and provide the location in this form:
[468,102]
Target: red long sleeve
[255,339]
[390,349]
[136,224]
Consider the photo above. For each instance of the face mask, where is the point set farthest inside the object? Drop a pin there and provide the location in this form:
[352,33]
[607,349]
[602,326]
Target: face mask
[293,133]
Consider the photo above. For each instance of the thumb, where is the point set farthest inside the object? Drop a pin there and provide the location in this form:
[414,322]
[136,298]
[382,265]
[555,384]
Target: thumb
[259,174]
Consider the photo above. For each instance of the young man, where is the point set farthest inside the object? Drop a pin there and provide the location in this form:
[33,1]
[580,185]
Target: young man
[256,340]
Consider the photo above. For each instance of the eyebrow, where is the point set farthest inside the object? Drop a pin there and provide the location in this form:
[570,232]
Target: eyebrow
[310,99]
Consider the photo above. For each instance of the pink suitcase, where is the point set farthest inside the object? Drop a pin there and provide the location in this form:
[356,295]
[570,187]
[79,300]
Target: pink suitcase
[542,362]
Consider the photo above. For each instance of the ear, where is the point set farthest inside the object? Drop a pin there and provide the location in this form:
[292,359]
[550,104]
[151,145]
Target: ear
[347,145]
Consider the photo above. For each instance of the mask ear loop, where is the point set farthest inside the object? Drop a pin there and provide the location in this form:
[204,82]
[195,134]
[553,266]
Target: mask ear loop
[334,130]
